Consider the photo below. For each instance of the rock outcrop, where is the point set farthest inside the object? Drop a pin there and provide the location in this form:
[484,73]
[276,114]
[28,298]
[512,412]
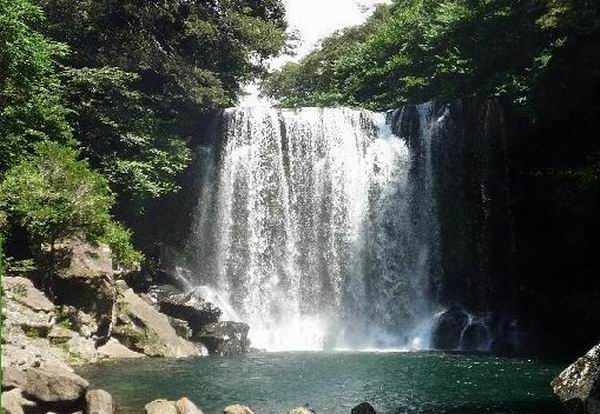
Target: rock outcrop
[31,333]
[113,349]
[192,308]
[85,281]
[143,329]
[27,307]
[578,386]
[448,328]
[225,338]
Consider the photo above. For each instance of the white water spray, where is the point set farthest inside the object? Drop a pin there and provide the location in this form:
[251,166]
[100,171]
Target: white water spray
[316,227]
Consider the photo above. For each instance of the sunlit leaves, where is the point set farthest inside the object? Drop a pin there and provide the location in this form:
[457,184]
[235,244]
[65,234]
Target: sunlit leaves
[425,49]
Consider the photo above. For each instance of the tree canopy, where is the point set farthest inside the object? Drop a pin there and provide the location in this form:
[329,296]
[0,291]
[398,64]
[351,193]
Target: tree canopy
[103,98]
[417,50]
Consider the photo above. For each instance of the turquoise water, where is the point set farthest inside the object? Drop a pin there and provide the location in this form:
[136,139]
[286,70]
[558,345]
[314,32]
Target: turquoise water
[334,382]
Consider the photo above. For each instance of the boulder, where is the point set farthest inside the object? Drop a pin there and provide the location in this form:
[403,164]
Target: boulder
[192,308]
[98,402]
[578,386]
[181,406]
[185,406]
[143,329]
[113,349]
[13,402]
[160,407]
[237,409]
[158,293]
[363,408]
[225,338]
[24,352]
[448,328]
[85,280]
[54,385]
[23,291]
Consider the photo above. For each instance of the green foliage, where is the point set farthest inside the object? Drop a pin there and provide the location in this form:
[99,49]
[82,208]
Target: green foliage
[30,108]
[141,74]
[121,134]
[55,196]
[20,266]
[118,238]
[124,82]
[189,54]
[418,50]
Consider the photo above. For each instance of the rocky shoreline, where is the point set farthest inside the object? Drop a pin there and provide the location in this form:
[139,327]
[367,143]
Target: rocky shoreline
[90,316]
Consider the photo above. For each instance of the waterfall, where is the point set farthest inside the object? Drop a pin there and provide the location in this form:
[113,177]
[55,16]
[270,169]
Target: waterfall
[318,226]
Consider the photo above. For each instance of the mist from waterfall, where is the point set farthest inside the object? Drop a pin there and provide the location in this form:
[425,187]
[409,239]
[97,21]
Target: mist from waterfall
[317,227]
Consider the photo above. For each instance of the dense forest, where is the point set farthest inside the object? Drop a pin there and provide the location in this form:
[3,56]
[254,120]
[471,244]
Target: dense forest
[100,100]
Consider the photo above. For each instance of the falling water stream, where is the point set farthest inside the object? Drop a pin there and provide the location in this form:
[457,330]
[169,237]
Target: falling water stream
[317,227]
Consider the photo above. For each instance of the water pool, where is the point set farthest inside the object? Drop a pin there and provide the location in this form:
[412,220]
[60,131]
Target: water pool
[334,382]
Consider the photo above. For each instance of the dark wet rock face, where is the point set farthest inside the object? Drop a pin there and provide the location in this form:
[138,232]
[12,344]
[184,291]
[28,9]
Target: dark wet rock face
[475,337]
[363,408]
[578,386]
[225,338]
[192,308]
[448,329]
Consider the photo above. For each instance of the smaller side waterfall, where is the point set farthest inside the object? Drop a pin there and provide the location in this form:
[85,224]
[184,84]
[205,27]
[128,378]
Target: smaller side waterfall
[319,226]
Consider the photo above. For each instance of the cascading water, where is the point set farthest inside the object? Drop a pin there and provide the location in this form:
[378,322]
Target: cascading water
[318,227]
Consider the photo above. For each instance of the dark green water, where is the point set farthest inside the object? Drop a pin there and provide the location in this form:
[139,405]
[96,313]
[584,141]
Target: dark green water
[334,382]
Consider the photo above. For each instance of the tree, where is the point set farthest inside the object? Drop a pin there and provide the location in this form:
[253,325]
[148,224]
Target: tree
[30,104]
[55,196]
[189,55]
[141,74]
[122,136]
